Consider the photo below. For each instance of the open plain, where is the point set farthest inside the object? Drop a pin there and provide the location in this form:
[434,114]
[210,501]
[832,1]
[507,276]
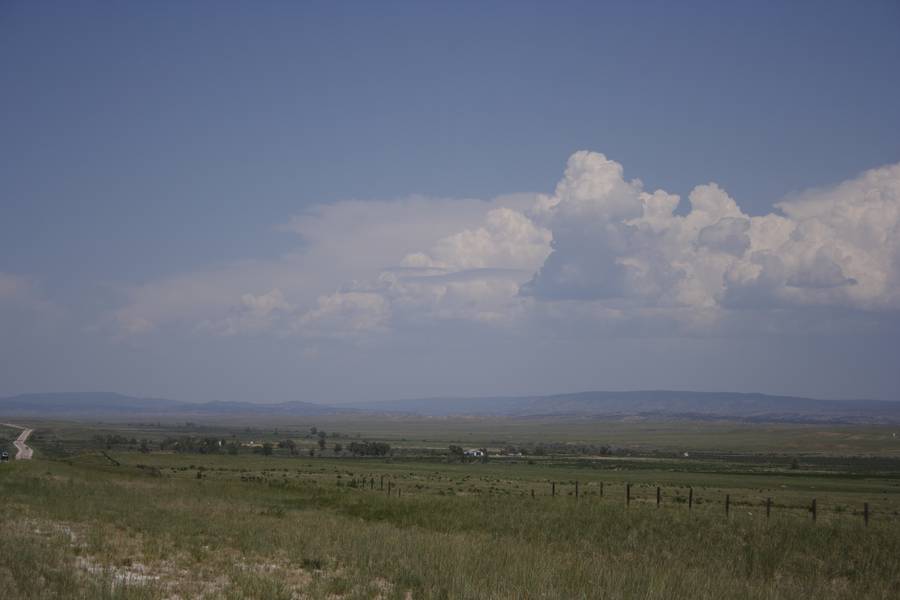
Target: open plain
[629,509]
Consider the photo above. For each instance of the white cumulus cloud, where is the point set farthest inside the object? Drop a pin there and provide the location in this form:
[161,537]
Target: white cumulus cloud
[599,249]
[620,246]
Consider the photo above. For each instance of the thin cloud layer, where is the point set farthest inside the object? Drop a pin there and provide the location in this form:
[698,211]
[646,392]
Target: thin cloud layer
[12,287]
[20,294]
[600,249]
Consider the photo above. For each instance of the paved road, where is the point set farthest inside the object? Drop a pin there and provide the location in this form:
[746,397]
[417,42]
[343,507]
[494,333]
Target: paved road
[23,452]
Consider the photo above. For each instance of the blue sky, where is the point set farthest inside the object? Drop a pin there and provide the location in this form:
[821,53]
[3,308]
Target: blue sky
[176,178]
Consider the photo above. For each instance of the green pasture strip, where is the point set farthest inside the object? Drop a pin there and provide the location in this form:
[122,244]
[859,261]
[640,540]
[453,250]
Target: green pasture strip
[227,537]
[670,436]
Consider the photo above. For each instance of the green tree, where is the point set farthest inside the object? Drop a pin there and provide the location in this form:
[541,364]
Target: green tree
[457,452]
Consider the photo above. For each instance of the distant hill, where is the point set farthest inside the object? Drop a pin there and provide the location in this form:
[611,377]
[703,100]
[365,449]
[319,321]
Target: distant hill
[108,404]
[649,404]
[655,403]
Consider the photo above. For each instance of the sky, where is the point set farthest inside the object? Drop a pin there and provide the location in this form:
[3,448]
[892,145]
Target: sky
[351,201]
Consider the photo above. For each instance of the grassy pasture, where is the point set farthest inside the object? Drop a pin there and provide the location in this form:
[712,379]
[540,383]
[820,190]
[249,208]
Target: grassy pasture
[633,433]
[7,436]
[119,523]
[667,435]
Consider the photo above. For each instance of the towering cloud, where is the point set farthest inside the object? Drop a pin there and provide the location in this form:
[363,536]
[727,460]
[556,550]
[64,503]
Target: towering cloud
[600,248]
[615,242]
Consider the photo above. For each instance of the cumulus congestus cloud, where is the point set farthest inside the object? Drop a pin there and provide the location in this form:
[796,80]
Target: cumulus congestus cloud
[615,242]
[600,249]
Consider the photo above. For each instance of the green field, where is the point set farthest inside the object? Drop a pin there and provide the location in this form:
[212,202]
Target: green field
[151,511]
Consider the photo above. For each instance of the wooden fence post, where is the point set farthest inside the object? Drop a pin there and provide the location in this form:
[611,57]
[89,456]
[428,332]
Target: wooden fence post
[601,489]
[768,507]
[727,504]
[576,488]
[866,513]
[690,498]
[812,509]
[372,483]
[381,485]
[627,494]
[553,488]
[532,492]
[658,496]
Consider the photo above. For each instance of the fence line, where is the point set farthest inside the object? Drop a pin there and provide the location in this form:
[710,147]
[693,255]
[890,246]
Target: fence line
[812,508]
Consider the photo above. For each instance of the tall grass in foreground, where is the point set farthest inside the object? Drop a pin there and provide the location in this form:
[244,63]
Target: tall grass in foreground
[94,532]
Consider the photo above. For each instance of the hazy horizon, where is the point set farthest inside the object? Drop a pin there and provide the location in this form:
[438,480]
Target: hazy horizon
[400,399]
[355,202]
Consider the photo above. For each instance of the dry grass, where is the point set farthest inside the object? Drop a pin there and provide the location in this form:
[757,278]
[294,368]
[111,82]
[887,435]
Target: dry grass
[95,531]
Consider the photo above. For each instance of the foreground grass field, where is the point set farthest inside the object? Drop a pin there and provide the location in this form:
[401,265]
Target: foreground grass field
[127,524]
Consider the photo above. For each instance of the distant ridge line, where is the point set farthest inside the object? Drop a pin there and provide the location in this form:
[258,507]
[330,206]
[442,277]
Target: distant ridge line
[73,404]
[744,406]
[663,403]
